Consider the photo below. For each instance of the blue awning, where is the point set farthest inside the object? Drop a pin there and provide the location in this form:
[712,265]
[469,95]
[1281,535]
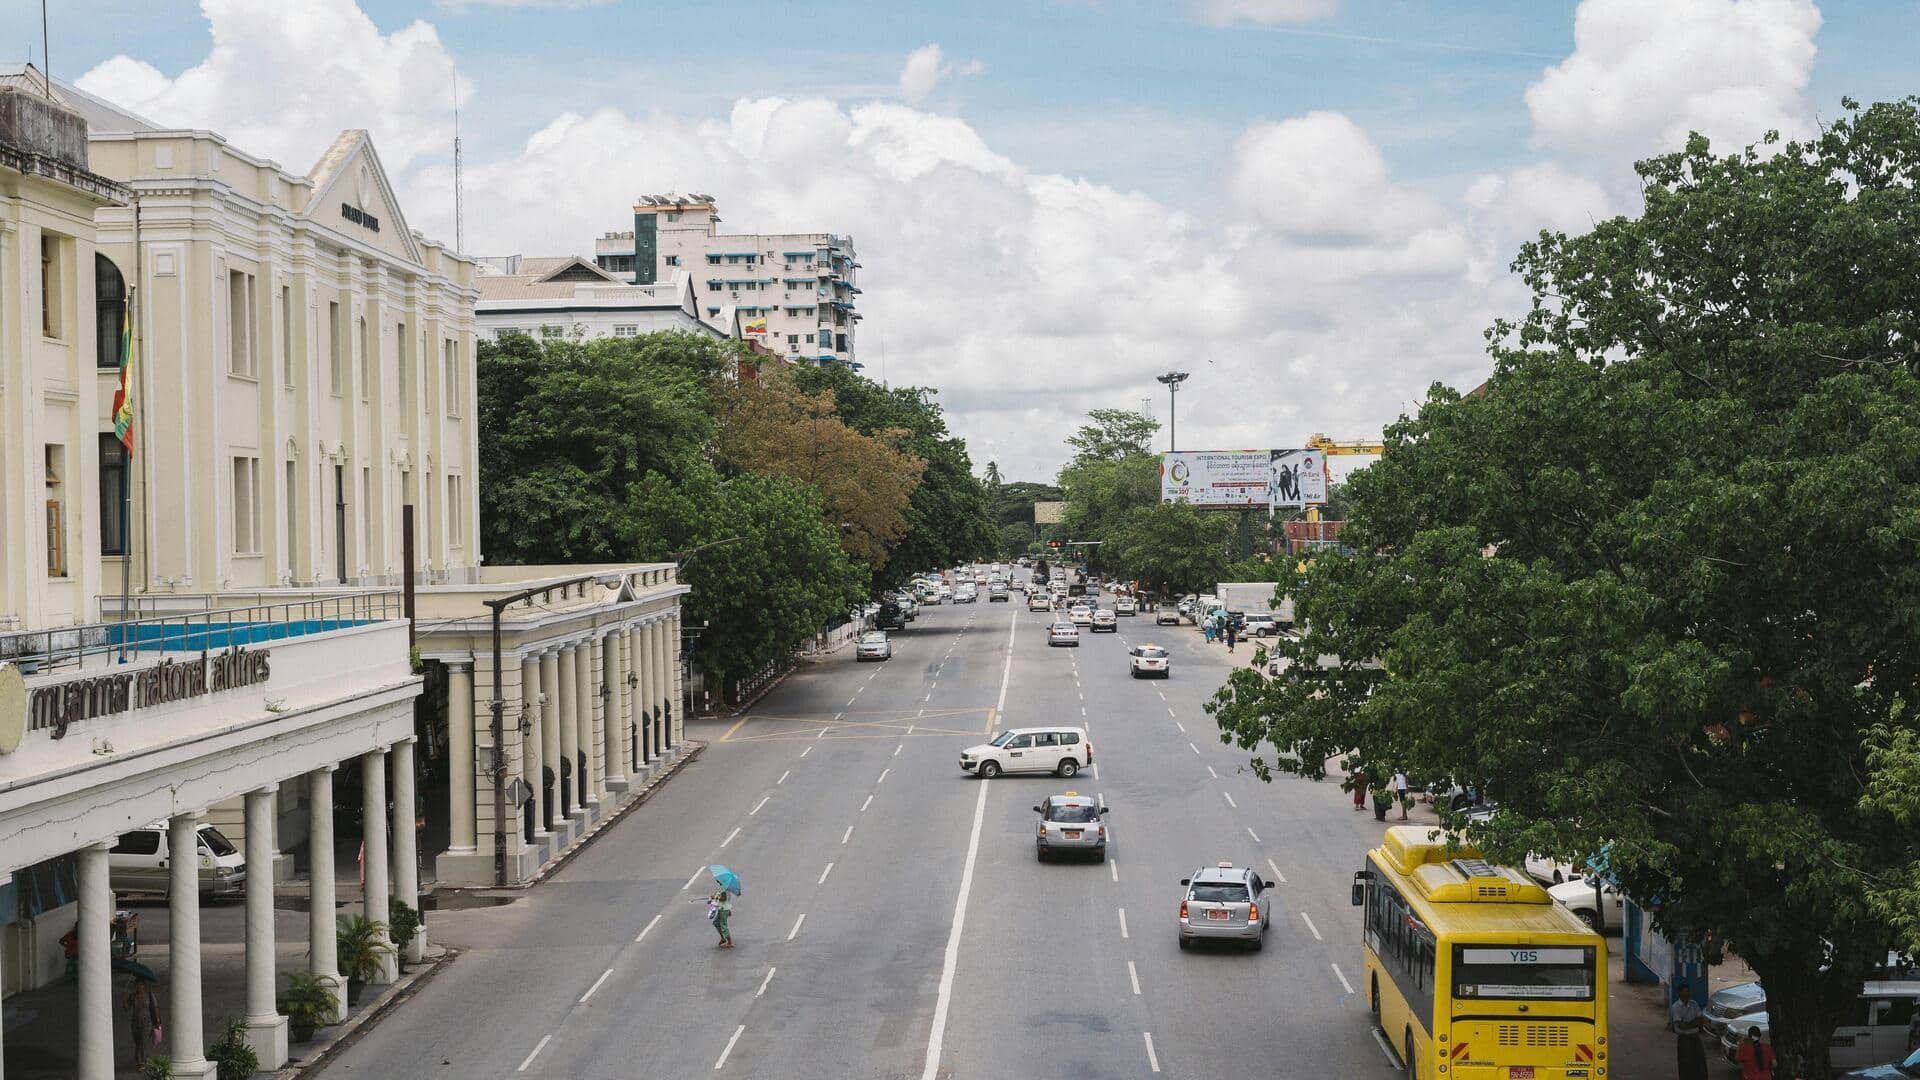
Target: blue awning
[798,254]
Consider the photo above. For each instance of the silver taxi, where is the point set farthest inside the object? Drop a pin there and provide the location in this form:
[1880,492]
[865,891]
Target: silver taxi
[1225,902]
[1071,823]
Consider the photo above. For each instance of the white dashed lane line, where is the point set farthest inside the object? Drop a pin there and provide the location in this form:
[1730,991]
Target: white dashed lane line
[796,926]
[604,976]
[694,878]
[1211,773]
[758,805]
[1277,875]
[1123,922]
[730,836]
[1183,729]
[823,874]
[783,778]
[537,1047]
[764,982]
[737,1032]
[883,776]
[1225,795]
[807,751]
[864,805]
[1338,974]
[1255,835]
[1312,928]
[1133,976]
[645,930]
[846,836]
[1193,748]
[1153,1060]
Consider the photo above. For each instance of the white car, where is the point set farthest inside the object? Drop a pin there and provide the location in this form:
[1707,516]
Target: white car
[1080,615]
[1149,660]
[1126,605]
[1062,751]
[1063,633]
[946,594]
[1103,620]
[874,645]
[1036,602]
[966,594]
[1579,896]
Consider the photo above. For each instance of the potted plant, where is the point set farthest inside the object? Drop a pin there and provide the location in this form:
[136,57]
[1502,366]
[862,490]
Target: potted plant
[308,1003]
[360,942]
[233,1057]
[406,925]
[157,1067]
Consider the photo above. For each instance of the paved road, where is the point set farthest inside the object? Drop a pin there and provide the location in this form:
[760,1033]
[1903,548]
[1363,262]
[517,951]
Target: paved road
[839,800]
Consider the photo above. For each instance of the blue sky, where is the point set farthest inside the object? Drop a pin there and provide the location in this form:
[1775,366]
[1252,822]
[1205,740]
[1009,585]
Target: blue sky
[1327,190]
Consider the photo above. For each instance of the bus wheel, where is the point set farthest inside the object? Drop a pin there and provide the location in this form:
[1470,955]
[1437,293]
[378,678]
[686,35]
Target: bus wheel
[1411,1069]
[1376,995]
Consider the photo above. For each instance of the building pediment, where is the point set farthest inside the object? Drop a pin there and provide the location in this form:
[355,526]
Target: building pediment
[352,197]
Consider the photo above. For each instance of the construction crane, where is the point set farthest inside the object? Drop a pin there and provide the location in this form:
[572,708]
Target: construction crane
[1345,446]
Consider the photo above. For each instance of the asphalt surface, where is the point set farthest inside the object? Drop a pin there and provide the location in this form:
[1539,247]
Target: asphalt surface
[894,909]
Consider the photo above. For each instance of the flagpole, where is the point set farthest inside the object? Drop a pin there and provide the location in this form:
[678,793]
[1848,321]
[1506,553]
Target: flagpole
[126,484]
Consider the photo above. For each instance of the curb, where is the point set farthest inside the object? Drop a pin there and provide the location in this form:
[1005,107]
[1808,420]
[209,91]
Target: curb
[321,1053]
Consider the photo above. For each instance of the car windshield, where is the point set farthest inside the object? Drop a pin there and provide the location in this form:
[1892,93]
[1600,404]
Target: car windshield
[1152,651]
[1073,812]
[213,841]
[1002,739]
[1220,892]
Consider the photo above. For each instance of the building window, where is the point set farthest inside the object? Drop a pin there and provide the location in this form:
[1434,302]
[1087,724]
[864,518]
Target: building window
[56,475]
[403,365]
[246,506]
[366,518]
[113,495]
[53,272]
[292,545]
[110,309]
[826,339]
[286,336]
[713,260]
[450,379]
[626,330]
[673,260]
[550,332]
[456,510]
[793,341]
[712,311]
[336,369]
[240,324]
[366,358]
[713,286]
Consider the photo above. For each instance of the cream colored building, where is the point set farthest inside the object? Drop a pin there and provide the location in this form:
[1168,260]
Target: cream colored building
[547,297]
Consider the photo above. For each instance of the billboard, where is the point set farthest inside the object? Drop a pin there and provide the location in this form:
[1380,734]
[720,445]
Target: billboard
[1244,479]
[1049,513]
[753,326]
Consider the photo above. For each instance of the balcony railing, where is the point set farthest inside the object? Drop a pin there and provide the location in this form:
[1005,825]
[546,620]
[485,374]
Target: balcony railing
[75,647]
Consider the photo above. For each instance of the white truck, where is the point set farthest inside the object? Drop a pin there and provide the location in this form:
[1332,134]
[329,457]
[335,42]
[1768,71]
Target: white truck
[1247,597]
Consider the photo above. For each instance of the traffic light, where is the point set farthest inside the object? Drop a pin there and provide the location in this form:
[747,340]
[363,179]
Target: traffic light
[1054,544]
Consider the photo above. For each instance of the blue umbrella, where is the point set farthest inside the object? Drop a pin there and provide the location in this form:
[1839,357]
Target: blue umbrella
[728,880]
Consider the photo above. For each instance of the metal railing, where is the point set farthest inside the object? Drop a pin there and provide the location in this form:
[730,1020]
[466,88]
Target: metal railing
[68,647]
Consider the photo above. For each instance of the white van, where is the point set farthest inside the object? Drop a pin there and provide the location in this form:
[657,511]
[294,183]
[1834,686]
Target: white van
[1062,751]
[138,863]
[1872,1031]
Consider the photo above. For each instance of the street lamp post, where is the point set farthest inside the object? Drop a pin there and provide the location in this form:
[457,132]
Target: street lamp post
[1172,380]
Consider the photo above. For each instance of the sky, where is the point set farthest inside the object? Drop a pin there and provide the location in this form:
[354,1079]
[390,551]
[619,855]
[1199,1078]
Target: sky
[1309,205]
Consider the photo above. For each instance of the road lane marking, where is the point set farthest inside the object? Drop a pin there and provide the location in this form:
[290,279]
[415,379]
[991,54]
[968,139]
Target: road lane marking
[823,874]
[944,1001]
[1083,710]
[1310,926]
[864,805]
[807,751]
[1123,922]
[1162,693]
[604,976]
[646,929]
[1255,835]
[1229,797]
[1277,875]
[1211,773]
[1183,729]
[1096,770]
[537,1047]
[1153,1059]
[929,696]
[848,835]
[883,776]
[723,1054]
[1193,748]
[758,805]
[897,749]
[765,981]
[796,925]
[1113,867]
[730,836]
[854,698]
[691,880]
[1133,976]
[1170,711]
[1342,976]
[783,776]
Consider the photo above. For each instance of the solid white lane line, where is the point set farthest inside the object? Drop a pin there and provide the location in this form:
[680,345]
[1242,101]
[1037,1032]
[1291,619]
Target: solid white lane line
[1211,773]
[848,835]
[1193,748]
[723,1054]
[1310,926]
[758,805]
[730,836]
[784,775]
[936,1036]
[1133,976]
[883,776]
[1342,976]
[864,805]
[646,929]
[823,874]
[1229,797]
[1153,1059]
[1123,922]
[764,982]
[796,925]
[694,878]
[1183,729]
[808,750]
[604,976]
[1255,835]
[537,1047]
[1277,875]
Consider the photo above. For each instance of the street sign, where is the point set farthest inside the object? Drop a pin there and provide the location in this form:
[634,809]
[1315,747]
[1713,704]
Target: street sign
[518,792]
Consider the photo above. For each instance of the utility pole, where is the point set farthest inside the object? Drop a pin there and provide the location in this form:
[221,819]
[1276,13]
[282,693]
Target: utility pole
[1172,380]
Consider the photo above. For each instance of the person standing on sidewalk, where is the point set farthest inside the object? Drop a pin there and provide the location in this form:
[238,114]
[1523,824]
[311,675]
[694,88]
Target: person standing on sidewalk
[1400,793]
[1233,634]
[1683,1017]
[143,1020]
[1359,779]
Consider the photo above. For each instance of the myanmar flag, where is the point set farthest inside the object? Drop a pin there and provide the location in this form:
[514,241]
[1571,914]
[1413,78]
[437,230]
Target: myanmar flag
[123,397]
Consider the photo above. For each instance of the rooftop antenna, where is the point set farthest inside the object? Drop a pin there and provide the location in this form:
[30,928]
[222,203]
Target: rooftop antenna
[459,202]
[46,62]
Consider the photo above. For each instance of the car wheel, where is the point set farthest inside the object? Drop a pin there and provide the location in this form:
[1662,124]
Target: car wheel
[1376,995]
[1068,768]
[1184,943]
[1100,854]
[1558,877]
[1588,917]
[989,770]
[1407,1056]
[1041,853]
[1258,943]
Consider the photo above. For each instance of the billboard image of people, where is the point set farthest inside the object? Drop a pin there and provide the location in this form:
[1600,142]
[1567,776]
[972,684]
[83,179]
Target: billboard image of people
[1296,478]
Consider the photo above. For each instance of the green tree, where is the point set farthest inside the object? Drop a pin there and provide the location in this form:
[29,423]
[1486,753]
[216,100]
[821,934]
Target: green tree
[1655,591]
[993,474]
[1112,434]
[1172,548]
[1111,474]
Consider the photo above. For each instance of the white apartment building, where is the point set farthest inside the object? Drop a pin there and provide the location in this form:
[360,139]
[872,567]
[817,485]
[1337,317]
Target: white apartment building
[795,293]
[570,297]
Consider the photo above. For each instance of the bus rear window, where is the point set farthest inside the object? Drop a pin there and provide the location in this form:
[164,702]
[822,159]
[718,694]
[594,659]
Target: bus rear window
[1557,973]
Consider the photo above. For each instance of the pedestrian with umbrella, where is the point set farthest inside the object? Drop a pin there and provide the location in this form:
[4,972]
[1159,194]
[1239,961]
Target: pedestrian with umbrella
[720,904]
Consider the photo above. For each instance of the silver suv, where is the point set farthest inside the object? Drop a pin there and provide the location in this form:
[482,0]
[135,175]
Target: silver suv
[1227,902]
[1071,823]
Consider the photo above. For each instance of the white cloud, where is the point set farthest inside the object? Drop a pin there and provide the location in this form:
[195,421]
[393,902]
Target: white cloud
[463,7]
[1644,73]
[927,67]
[282,80]
[1222,12]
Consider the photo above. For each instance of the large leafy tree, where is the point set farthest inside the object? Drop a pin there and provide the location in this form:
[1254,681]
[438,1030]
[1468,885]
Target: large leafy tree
[1172,548]
[947,520]
[1111,475]
[1657,591]
[768,425]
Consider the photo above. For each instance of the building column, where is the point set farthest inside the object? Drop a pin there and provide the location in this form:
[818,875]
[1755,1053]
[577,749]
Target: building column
[533,744]
[406,851]
[665,694]
[373,861]
[461,805]
[588,780]
[673,679]
[613,721]
[570,734]
[550,737]
[186,1041]
[266,1028]
[95,931]
[649,690]
[630,704]
[323,958]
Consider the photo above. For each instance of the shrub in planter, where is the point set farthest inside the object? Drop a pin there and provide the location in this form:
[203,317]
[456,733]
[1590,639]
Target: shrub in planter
[233,1057]
[308,1003]
[360,942]
[157,1067]
[406,925]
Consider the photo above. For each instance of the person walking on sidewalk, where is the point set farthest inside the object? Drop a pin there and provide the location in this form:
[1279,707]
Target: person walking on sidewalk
[143,1020]
[1400,793]
[1233,634]
[1756,1057]
[1683,1017]
[1359,779]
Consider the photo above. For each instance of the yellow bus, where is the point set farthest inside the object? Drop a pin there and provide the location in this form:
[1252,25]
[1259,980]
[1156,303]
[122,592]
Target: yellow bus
[1472,970]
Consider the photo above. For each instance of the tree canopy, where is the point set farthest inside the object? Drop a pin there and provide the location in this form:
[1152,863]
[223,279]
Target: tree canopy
[1655,591]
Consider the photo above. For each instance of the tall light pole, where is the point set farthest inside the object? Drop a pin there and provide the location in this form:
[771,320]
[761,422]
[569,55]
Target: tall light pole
[1172,380]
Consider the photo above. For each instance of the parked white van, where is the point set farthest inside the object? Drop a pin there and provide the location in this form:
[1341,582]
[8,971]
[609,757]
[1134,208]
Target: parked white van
[1062,751]
[138,863]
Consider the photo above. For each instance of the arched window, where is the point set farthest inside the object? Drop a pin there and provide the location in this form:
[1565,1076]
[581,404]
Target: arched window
[110,307]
